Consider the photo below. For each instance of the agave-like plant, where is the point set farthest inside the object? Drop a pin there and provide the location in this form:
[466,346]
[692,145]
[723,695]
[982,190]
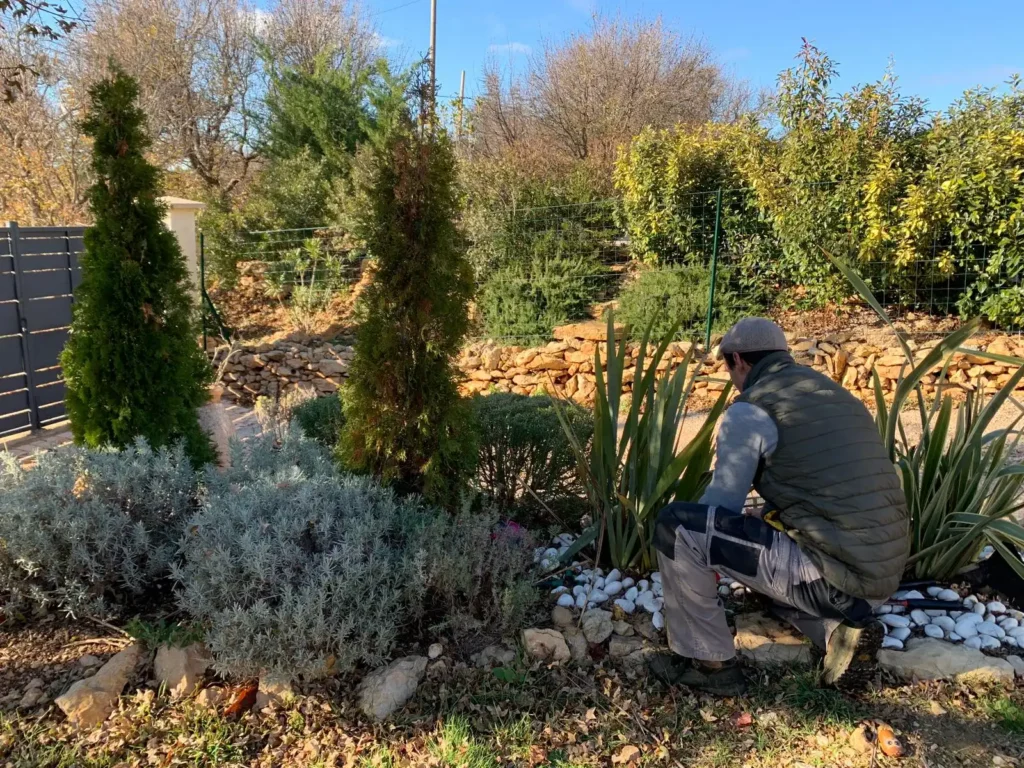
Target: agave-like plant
[963,486]
[633,468]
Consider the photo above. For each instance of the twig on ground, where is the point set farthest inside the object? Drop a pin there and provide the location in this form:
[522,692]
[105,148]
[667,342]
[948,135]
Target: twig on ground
[109,626]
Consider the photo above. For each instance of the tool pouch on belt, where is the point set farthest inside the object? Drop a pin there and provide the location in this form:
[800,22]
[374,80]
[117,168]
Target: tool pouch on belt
[771,516]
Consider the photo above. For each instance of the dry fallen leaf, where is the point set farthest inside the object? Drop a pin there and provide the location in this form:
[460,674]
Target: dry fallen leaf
[628,754]
[742,719]
[707,716]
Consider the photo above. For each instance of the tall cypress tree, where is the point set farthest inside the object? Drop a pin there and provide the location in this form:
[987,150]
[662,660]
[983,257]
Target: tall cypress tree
[404,419]
[132,365]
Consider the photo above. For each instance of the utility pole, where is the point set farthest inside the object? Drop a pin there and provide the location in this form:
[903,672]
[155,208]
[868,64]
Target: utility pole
[462,105]
[433,51]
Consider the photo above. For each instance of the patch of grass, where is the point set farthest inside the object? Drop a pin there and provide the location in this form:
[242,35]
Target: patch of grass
[380,757]
[515,738]
[152,634]
[803,692]
[211,740]
[1008,713]
[454,746]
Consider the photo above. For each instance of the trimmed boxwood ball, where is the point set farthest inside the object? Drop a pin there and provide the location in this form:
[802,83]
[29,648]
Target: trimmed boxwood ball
[523,448]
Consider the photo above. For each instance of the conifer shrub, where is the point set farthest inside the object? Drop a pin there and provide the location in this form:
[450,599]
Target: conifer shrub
[132,365]
[296,568]
[92,531]
[404,420]
[526,461]
[678,296]
[524,301]
[321,418]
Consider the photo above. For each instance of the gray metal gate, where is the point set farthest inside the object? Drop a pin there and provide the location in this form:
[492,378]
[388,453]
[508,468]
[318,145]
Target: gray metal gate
[38,272]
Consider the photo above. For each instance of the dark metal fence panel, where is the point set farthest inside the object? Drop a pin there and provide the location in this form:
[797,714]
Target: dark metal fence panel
[38,272]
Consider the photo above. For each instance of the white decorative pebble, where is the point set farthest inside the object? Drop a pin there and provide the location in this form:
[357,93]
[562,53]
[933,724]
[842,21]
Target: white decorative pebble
[599,582]
[582,579]
[656,577]
[945,623]
[581,600]
[979,608]
[612,588]
[948,594]
[566,601]
[627,606]
[1017,633]
[898,609]
[597,597]
[933,591]
[658,620]
[894,620]
[953,637]
[627,582]
[934,631]
[1010,642]
[900,633]
[956,614]
[966,628]
[1014,613]
[989,643]
[893,643]
[550,552]
[882,610]
[970,618]
[724,591]
[919,617]
[631,594]
[996,607]
[991,629]
[970,600]
[1009,623]
[548,563]
[613,575]
[561,590]
[933,612]
[643,584]
[578,590]
[973,642]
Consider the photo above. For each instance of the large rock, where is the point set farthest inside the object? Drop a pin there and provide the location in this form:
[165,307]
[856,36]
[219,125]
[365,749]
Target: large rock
[766,641]
[929,659]
[619,647]
[592,331]
[274,689]
[546,645]
[386,690]
[579,649]
[597,625]
[562,617]
[89,702]
[181,670]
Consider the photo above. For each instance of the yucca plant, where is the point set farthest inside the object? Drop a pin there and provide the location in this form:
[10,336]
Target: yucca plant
[633,468]
[961,482]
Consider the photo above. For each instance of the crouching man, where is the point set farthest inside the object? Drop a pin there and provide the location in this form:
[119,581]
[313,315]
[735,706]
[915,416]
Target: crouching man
[830,543]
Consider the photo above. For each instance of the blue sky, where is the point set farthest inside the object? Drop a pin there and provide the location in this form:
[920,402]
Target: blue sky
[939,48]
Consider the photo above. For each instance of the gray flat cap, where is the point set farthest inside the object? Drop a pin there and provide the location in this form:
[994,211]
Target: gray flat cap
[753,334]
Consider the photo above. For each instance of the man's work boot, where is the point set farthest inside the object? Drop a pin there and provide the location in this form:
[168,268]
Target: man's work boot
[850,655]
[673,670]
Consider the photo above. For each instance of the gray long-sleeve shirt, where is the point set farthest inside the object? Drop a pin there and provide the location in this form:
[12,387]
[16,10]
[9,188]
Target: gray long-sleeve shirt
[746,435]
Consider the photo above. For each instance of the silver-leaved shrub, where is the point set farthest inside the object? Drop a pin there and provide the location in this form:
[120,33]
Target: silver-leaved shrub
[296,568]
[91,531]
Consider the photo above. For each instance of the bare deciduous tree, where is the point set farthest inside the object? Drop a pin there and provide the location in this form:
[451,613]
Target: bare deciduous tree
[45,168]
[197,65]
[584,97]
[298,32]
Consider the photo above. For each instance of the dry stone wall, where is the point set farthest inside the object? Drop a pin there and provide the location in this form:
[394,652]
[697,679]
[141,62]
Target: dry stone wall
[566,365]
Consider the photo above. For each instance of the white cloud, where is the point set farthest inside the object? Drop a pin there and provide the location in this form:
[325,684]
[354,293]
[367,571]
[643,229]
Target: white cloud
[510,48]
[384,41]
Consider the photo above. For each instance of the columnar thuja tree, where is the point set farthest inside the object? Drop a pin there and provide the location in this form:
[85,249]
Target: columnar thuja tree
[404,419]
[132,365]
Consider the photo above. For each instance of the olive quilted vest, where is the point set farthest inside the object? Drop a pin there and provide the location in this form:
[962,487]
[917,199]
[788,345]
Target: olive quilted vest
[838,495]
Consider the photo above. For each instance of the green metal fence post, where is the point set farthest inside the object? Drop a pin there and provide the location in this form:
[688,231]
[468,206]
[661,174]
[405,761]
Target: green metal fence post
[714,269]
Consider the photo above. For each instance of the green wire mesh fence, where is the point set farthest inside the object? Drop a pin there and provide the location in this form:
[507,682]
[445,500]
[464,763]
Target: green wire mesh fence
[703,259]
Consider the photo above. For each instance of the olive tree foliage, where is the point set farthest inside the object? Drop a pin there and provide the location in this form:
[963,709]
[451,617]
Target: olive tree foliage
[582,97]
